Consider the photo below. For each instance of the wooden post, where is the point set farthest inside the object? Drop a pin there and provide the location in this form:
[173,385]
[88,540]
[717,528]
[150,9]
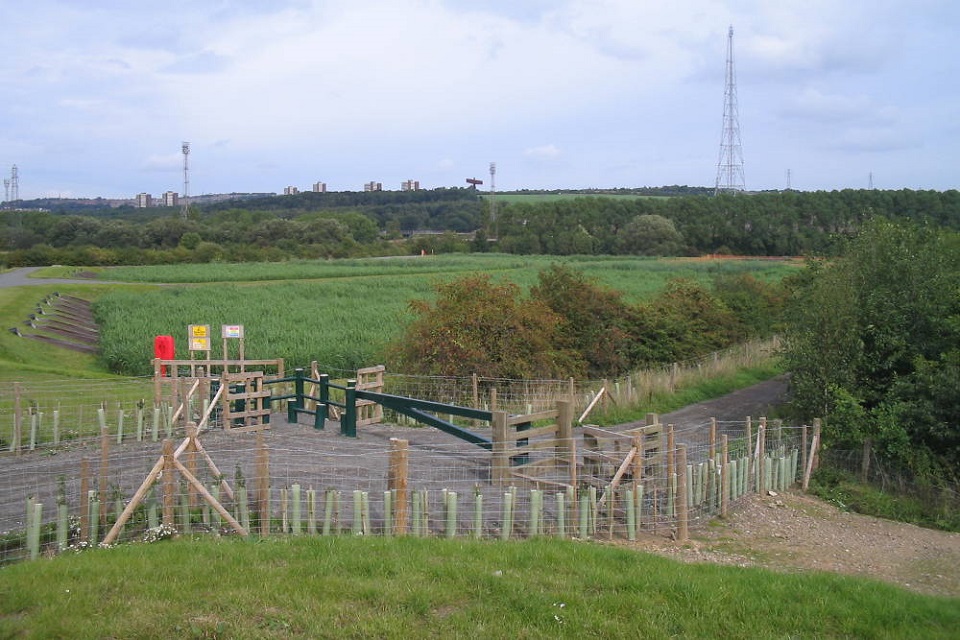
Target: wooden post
[104,467]
[169,482]
[761,454]
[865,462]
[713,437]
[17,439]
[811,459]
[803,451]
[263,485]
[157,383]
[398,481]
[566,449]
[500,461]
[724,477]
[682,507]
[749,436]
[191,456]
[671,454]
[84,503]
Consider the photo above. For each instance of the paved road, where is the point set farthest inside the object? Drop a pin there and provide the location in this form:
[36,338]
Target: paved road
[21,278]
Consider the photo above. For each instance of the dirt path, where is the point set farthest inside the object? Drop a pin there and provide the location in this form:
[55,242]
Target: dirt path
[793,532]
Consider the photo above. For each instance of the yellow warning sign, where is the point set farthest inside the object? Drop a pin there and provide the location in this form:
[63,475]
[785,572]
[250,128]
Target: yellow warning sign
[198,337]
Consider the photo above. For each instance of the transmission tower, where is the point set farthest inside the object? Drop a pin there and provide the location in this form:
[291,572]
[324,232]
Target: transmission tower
[6,189]
[14,184]
[185,203]
[730,165]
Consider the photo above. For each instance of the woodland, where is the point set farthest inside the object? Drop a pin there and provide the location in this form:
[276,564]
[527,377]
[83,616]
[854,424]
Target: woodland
[355,224]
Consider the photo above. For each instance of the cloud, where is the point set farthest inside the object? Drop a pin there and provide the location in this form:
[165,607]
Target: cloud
[202,62]
[163,163]
[813,104]
[545,152]
[873,140]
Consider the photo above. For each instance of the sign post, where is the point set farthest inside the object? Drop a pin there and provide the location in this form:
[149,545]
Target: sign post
[232,332]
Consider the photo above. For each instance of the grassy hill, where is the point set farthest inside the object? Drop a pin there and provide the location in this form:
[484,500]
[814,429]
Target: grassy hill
[401,588]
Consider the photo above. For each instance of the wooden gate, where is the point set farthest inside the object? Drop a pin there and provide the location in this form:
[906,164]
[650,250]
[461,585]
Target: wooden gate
[246,403]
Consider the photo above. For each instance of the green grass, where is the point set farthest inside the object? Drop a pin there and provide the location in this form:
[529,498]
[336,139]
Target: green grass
[341,313]
[611,270]
[405,588]
[20,357]
[935,509]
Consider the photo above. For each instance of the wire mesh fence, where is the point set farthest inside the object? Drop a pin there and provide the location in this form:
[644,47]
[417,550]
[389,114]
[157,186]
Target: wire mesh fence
[75,454]
[295,480]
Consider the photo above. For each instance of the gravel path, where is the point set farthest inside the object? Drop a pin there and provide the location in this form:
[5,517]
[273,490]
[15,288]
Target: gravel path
[793,532]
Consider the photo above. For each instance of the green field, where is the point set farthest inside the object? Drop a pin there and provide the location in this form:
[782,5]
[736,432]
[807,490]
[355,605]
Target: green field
[342,314]
[358,587]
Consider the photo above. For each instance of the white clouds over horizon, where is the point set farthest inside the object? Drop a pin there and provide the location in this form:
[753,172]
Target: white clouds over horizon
[574,93]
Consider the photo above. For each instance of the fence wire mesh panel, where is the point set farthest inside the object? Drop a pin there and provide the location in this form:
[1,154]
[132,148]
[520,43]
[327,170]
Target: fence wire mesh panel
[391,480]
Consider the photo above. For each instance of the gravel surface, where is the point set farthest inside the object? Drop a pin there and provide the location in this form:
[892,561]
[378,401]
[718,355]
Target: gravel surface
[794,532]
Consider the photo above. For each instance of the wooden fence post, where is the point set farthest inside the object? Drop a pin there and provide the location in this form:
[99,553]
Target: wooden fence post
[17,439]
[157,384]
[191,455]
[682,506]
[566,448]
[169,482]
[104,467]
[724,477]
[398,481]
[749,457]
[865,462]
[713,438]
[803,451]
[500,460]
[263,485]
[811,459]
[671,471]
[84,503]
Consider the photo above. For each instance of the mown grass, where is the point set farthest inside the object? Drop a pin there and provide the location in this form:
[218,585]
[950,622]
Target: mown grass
[20,357]
[401,588]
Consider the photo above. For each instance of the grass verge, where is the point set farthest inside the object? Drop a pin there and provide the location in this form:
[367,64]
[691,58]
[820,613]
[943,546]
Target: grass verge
[399,588]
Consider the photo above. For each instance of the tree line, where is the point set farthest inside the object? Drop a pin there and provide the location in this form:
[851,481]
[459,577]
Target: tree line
[349,224]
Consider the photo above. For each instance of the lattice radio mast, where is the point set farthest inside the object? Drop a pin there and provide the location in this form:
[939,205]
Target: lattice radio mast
[14,184]
[185,204]
[730,165]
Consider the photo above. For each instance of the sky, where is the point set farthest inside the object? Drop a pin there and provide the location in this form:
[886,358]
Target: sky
[97,96]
